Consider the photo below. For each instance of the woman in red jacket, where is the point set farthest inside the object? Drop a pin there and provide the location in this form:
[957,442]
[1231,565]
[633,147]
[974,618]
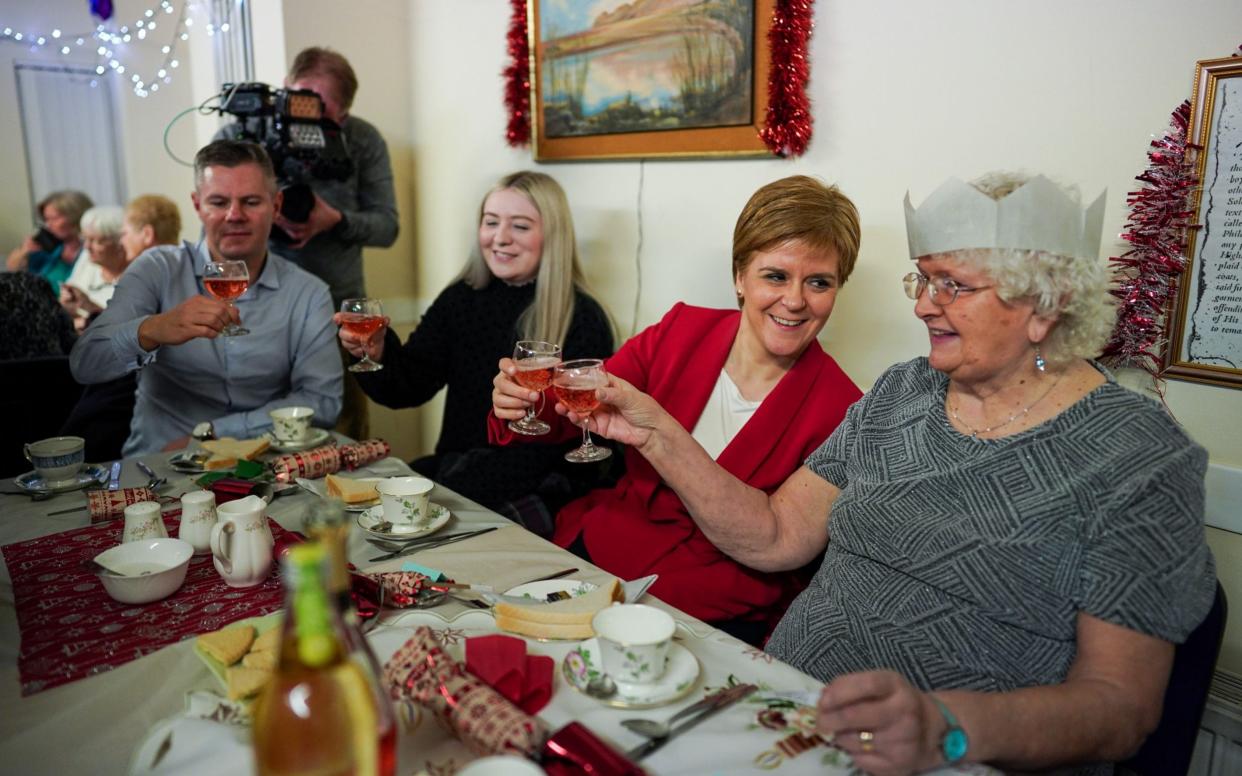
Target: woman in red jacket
[753,386]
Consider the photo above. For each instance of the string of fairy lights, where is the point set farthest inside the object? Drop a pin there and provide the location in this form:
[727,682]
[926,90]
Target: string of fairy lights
[114,45]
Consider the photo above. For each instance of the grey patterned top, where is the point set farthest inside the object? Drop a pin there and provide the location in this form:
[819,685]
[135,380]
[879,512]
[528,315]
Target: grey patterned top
[962,563]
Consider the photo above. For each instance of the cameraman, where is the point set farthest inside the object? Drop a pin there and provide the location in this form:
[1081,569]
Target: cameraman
[360,210]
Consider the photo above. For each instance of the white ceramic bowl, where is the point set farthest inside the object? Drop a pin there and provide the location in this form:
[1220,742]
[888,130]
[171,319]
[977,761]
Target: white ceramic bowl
[166,559]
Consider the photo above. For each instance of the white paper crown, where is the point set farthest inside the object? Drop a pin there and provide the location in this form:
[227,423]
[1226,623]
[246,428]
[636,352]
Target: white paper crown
[1037,215]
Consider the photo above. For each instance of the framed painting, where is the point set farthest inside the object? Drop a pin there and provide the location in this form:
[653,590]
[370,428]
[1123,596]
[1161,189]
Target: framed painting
[1205,343]
[613,79]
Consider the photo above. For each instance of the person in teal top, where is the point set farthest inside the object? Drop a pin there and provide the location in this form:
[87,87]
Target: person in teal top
[61,213]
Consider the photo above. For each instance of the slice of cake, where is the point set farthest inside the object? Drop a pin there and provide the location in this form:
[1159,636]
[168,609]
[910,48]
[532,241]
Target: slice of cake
[226,451]
[351,491]
[569,619]
[228,644]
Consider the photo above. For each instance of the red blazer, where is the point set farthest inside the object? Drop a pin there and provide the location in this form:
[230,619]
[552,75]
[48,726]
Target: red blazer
[640,526]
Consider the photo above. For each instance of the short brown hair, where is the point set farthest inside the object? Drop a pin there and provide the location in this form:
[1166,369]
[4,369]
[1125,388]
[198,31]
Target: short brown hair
[71,204]
[318,60]
[158,212]
[798,208]
[233,153]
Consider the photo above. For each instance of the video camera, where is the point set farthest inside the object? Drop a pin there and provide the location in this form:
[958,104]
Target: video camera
[304,144]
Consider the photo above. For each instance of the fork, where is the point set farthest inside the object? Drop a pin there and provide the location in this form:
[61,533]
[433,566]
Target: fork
[156,481]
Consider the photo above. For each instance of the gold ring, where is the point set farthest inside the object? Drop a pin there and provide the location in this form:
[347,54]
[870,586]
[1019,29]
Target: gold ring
[867,739]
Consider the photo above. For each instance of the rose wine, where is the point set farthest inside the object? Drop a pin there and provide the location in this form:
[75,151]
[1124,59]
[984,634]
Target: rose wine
[580,400]
[226,289]
[535,373]
[360,325]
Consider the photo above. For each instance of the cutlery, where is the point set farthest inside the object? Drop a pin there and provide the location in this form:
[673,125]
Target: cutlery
[408,550]
[405,544]
[601,686]
[650,728]
[490,589]
[67,511]
[156,481]
[114,478]
[723,700]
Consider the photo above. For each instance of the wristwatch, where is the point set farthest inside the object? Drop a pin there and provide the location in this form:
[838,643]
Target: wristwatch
[204,430]
[953,744]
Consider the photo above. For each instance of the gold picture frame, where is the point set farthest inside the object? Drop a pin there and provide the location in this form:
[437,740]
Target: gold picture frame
[1205,342]
[561,129]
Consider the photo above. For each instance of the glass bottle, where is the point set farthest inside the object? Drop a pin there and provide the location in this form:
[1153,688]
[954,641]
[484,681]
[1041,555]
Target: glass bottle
[318,714]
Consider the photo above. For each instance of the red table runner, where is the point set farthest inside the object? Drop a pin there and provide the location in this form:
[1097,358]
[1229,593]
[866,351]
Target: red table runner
[70,628]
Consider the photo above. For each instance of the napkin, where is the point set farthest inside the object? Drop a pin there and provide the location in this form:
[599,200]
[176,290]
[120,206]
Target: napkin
[230,489]
[502,662]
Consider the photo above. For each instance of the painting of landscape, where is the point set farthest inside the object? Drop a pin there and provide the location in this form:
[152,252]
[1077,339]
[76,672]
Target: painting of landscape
[609,66]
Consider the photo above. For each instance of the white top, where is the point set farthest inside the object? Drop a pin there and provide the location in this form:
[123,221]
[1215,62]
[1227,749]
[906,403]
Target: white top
[88,276]
[723,416]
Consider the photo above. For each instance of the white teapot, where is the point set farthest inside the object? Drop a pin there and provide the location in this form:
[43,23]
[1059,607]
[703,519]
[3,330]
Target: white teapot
[241,543]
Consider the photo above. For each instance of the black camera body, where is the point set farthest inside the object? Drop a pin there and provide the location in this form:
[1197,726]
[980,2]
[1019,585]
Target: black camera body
[304,144]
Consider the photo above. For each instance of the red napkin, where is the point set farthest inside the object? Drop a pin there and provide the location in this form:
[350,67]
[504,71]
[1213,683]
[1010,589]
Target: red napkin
[501,661]
[230,489]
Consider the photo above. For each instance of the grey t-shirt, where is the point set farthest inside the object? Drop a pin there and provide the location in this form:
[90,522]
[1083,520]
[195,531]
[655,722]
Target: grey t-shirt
[963,563]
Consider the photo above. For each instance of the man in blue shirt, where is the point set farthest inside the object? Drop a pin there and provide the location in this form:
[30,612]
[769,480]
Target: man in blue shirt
[161,323]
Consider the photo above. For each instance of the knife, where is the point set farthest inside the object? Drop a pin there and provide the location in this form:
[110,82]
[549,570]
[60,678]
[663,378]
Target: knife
[723,700]
[432,544]
[114,479]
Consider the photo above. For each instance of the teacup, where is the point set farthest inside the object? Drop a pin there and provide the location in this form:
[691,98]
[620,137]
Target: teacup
[292,424]
[198,515]
[633,641]
[406,500]
[143,521]
[57,459]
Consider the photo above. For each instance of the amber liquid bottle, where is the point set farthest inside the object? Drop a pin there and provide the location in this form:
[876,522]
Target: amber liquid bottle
[318,715]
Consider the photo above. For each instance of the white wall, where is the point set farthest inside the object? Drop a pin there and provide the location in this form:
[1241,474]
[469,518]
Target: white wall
[905,94]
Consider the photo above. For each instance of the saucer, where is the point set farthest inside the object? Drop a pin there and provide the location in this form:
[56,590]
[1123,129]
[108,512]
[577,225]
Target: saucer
[375,515]
[318,437]
[186,463]
[538,592]
[681,673]
[91,474]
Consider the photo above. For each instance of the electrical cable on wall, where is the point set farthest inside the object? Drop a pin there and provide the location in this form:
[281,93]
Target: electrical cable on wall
[638,251]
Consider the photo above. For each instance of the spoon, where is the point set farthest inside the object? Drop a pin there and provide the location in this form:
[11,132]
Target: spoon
[95,567]
[601,686]
[650,728]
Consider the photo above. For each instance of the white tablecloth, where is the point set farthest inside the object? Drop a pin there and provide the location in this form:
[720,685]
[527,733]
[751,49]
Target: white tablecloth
[98,724]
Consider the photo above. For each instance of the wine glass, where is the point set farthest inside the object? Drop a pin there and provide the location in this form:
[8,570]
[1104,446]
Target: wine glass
[226,281]
[535,361]
[575,383]
[362,318]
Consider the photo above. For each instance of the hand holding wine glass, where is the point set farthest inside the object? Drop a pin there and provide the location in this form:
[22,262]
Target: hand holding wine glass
[575,384]
[361,320]
[534,361]
[226,281]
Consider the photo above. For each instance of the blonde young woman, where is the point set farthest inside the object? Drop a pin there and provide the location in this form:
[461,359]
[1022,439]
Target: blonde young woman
[523,282]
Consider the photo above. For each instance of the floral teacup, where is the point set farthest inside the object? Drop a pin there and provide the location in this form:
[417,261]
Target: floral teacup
[406,500]
[633,641]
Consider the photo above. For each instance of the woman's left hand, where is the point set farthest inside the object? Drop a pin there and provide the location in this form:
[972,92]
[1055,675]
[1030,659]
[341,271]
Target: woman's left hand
[887,726]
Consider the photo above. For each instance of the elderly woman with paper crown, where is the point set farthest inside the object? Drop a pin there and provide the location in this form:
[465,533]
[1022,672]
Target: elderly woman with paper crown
[1016,541]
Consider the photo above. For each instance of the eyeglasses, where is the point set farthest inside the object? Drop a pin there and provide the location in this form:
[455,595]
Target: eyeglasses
[941,290]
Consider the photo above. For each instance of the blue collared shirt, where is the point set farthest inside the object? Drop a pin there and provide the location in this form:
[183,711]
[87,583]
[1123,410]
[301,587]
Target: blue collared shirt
[289,358]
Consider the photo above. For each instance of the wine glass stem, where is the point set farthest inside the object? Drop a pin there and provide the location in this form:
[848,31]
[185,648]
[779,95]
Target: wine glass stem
[586,435]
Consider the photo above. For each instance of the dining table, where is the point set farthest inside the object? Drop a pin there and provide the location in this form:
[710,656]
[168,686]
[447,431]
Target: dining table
[163,711]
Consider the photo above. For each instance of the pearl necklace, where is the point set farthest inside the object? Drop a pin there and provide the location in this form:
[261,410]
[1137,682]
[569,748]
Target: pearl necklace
[1022,413]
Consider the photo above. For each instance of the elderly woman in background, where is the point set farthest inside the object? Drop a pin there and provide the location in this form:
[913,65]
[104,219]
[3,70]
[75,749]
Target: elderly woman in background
[104,413]
[52,251]
[751,387]
[524,282]
[150,220]
[90,285]
[1017,541]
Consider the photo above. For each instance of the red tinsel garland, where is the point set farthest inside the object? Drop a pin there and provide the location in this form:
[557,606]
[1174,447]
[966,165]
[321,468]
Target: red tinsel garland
[517,78]
[787,128]
[1146,276]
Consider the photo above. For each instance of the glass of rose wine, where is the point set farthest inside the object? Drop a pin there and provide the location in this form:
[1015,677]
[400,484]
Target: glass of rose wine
[226,281]
[535,361]
[575,383]
[362,318]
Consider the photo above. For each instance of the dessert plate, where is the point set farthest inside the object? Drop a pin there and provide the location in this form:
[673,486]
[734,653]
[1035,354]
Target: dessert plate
[681,673]
[538,592]
[91,474]
[317,437]
[188,463]
[372,518]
